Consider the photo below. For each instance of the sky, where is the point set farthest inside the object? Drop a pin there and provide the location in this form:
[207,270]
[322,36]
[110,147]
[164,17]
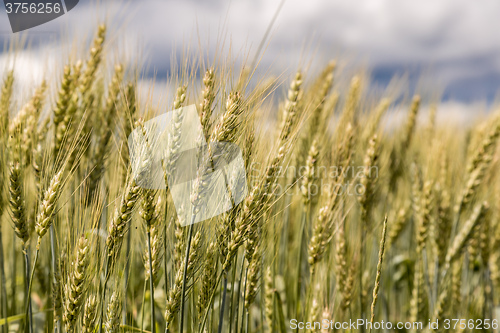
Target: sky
[454,42]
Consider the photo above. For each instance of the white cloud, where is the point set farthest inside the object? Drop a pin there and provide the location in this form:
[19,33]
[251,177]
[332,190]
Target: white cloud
[456,38]
[450,114]
[449,35]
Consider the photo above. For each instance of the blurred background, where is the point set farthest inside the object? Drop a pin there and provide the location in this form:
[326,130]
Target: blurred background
[454,43]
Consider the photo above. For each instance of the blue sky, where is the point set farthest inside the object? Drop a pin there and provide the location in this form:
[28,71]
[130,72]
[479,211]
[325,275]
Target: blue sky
[455,41]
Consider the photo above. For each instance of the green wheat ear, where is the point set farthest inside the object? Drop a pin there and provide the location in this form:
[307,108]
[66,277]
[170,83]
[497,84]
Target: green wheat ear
[113,312]
[46,210]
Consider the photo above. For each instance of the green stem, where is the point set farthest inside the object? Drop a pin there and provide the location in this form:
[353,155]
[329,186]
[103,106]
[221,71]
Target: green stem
[151,286]
[239,293]
[142,305]
[3,291]
[299,262]
[231,303]
[28,294]
[30,281]
[53,265]
[125,285]
[244,296]
[165,258]
[223,304]
[103,298]
[13,304]
[362,237]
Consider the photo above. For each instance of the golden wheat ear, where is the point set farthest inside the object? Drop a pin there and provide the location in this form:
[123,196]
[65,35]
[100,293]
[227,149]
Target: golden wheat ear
[89,314]
[6,100]
[45,215]
[17,203]
[113,313]
[76,287]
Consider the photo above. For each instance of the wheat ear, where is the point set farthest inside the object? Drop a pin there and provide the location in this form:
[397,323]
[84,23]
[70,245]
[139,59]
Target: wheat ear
[174,295]
[310,172]
[465,233]
[76,287]
[5,100]
[113,313]
[89,314]
[119,223]
[379,269]
[207,279]
[207,96]
[46,211]
[322,234]
[227,127]
[17,203]
[147,213]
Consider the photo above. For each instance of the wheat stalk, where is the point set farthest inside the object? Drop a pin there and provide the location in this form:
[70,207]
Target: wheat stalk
[376,287]
[465,233]
[175,293]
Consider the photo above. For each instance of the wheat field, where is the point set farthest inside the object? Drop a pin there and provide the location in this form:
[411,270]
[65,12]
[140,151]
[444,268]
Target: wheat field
[345,218]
